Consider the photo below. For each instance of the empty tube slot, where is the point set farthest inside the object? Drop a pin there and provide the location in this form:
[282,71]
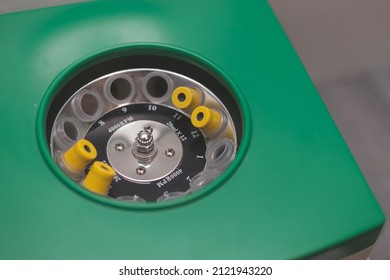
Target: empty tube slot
[201,179]
[119,89]
[220,153]
[87,105]
[157,87]
[68,131]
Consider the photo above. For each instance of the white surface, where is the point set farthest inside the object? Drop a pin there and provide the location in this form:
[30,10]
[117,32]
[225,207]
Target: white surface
[192,270]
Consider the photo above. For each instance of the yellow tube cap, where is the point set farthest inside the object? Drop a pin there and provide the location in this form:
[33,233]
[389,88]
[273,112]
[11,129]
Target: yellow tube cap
[185,98]
[80,155]
[99,178]
[207,119]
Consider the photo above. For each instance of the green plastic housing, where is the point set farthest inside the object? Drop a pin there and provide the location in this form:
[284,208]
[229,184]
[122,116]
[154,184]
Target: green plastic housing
[294,190]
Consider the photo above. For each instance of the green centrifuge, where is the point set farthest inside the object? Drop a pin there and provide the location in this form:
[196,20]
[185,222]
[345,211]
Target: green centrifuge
[169,130]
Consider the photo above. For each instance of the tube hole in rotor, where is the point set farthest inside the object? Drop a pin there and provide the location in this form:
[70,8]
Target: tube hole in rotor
[121,89]
[70,131]
[89,104]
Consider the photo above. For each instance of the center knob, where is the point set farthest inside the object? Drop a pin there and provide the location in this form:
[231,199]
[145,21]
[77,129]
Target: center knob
[144,148]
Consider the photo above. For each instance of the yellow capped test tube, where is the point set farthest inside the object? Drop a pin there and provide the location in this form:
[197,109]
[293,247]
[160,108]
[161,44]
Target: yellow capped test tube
[99,178]
[186,98]
[76,159]
[207,119]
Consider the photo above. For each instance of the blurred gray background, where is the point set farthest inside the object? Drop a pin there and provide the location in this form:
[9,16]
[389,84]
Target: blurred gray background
[345,47]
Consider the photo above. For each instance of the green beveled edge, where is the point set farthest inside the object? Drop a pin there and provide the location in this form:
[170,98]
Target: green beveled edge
[133,49]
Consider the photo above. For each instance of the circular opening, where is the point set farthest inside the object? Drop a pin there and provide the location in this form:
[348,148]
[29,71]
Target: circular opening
[200,116]
[89,104]
[120,89]
[219,152]
[79,128]
[203,178]
[157,86]
[181,97]
[67,132]
[87,148]
[71,131]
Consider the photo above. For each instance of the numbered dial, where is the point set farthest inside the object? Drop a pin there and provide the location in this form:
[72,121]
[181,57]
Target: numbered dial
[143,135]
[177,155]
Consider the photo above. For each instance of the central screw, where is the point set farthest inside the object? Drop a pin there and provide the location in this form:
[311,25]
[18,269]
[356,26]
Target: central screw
[140,170]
